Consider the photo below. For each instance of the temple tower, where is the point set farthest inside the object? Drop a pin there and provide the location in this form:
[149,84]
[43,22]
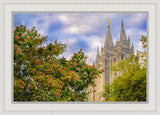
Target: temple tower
[110,53]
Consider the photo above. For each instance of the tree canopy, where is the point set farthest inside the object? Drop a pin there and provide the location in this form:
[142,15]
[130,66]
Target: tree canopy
[41,75]
[131,84]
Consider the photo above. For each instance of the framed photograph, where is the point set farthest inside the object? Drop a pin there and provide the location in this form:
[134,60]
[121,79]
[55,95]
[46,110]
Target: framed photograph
[84,57]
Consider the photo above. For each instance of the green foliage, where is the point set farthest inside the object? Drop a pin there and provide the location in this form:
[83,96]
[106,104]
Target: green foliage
[40,76]
[131,84]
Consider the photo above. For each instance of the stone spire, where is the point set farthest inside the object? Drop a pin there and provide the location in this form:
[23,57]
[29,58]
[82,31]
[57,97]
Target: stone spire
[122,34]
[117,41]
[97,56]
[108,40]
[132,48]
[93,63]
[129,39]
[101,51]
[137,55]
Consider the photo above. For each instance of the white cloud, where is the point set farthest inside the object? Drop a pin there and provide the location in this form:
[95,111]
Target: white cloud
[135,32]
[23,22]
[93,43]
[63,18]
[42,32]
[136,19]
[43,27]
[138,46]
[69,41]
[71,47]
[81,23]
[73,30]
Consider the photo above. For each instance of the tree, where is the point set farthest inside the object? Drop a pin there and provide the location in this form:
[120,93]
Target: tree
[39,75]
[131,84]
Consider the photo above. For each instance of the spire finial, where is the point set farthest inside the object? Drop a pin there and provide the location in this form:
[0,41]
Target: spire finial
[108,21]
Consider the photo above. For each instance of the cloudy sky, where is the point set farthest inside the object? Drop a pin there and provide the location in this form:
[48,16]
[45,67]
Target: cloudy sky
[84,30]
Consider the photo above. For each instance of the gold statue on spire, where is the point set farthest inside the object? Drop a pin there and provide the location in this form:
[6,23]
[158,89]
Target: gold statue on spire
[108,21]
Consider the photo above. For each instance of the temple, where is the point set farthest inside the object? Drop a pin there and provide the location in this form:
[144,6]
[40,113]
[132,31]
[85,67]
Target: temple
[110,53]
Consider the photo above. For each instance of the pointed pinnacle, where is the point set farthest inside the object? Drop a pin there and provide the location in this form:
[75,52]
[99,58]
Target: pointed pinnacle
[122,22]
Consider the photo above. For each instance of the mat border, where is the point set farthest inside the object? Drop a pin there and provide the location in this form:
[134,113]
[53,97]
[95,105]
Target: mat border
[3,3]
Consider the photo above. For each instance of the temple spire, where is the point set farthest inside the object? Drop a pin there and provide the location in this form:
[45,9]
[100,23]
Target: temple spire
[97,56]
[129,41]
[129,38]
[122,23]
[101,50]
[132,48]
[123,34]
[93,63]
[98,50]
[108,40]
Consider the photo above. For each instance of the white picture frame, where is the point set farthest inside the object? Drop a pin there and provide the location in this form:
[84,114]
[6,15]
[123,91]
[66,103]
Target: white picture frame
[150,6]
